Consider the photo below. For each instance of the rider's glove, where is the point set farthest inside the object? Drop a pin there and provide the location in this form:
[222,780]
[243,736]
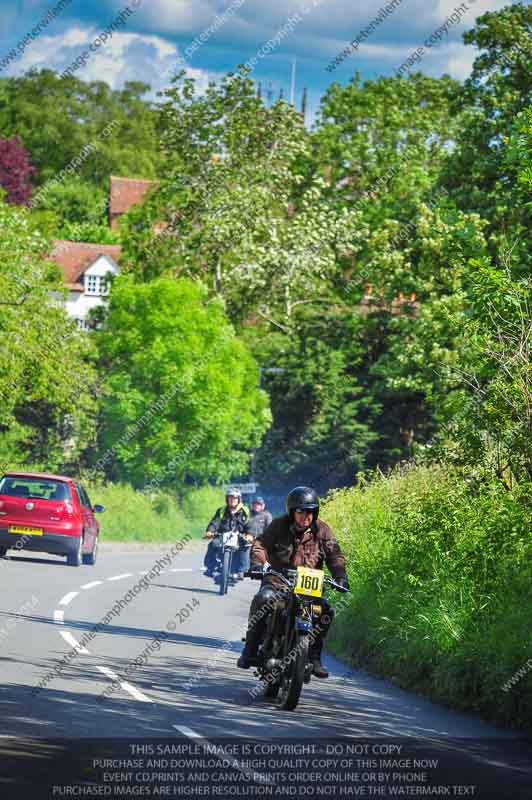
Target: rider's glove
[265,567]
[343,582]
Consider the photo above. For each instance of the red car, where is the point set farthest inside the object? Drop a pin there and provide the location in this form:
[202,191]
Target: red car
[48,514]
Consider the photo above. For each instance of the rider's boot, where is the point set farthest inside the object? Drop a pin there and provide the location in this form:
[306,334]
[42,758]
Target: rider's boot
[315,659]
[248,657]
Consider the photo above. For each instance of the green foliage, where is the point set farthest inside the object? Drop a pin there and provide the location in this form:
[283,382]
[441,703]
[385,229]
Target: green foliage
[321,429]
[230,199]
[46,381]
[57,117]
[441,584]
[380,144]
[493,419]
[76,211]
[519,152]
[180,399]
[133,516]
[73,201]
[477,174]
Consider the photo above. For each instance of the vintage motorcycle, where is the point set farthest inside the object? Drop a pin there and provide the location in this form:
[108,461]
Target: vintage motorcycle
[225,556]
[283,655]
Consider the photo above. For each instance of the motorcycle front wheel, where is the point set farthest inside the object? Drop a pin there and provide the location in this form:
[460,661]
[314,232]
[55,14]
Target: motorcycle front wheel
[271,690]
[226,571]
[294,674]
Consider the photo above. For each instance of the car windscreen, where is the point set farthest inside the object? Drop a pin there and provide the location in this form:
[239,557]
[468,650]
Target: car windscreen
[41,488]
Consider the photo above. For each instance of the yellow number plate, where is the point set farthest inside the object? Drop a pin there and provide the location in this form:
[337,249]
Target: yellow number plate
[309,582]
[25,529]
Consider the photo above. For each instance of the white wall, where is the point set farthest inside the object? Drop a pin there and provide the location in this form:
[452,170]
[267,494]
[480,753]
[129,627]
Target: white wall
[79,304]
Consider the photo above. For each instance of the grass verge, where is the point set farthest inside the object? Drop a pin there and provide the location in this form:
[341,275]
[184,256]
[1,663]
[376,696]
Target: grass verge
[442,588]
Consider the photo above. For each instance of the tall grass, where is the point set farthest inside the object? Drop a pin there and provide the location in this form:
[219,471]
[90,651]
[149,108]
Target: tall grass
[442,588]
[131,515]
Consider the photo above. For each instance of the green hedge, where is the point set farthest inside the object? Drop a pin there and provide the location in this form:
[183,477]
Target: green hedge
[442,588]
[158,517]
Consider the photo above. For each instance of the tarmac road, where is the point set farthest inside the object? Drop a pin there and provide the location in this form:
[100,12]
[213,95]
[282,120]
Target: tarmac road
[163,668]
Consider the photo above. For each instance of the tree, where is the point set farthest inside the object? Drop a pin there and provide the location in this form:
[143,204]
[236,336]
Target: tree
[477,175]
[322,418]
[380,144]
[181,403]
[46,381]
[16,172]
[229,209]
[57,119]
[492,404]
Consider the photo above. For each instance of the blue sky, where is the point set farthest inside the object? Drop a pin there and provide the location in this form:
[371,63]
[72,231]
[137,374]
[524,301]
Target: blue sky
[151,40]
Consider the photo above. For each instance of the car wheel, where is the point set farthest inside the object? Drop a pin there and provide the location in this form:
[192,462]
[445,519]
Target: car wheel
[3,551]
[75,559]
[90,558]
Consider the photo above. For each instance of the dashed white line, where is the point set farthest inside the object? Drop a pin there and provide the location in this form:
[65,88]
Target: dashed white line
[134,692]
[127,687]
[67,598]
[120,577]
[255,776]
[59,616]
[74,643]
[188,732]
[181,570]
[109,673]
[91,584]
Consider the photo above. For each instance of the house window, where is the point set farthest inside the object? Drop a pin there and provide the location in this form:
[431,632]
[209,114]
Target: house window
[96,284]
[82,324]
[92,285]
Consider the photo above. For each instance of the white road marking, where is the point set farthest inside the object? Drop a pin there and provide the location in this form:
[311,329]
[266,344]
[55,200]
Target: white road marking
[128,687]
[188,732]
[143,572]
[119,577]
[67,598]
[264,777]
[109,673]
[59,616]
[74,643]
[91,584]
[181,570]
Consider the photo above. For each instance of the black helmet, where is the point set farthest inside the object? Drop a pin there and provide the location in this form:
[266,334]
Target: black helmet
[302,499]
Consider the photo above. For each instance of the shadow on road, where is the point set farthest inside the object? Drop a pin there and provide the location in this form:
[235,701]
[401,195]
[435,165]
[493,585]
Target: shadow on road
[189,589]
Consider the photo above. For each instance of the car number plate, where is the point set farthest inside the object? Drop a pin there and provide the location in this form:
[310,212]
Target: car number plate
[25,529]
[309,582]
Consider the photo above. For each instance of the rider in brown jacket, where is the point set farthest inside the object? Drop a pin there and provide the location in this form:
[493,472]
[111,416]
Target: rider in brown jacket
[296,539]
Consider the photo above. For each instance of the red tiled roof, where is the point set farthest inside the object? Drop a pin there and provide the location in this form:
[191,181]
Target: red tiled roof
[125,192]
[75,257]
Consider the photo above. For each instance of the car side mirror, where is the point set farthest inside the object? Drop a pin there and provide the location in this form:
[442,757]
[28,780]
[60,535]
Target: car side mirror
[98,509]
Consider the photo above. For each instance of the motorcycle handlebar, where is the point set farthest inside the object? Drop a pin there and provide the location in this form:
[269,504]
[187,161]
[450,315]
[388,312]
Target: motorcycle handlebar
[258,575]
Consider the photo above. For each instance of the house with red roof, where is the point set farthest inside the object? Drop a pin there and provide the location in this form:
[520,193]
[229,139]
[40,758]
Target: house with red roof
[87,267]
[124,193]
[87,271]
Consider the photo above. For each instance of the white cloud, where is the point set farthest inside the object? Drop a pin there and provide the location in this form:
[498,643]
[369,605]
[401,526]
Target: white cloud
[127,56]
[457,61]
[145,50]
